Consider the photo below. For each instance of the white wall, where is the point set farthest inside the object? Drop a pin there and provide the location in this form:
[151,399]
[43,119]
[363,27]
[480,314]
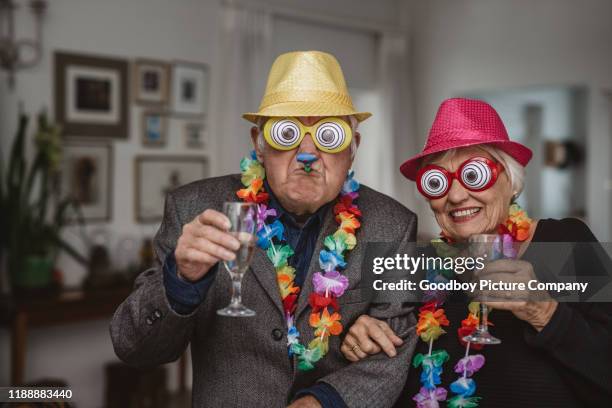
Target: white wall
[160,29]
[462,46]
[138,28]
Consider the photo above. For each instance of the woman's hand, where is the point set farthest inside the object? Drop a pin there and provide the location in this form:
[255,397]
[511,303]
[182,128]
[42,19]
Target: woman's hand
[368,336]
[534,308]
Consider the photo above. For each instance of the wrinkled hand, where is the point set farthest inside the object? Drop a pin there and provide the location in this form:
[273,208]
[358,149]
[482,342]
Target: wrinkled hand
[204,242]
[305,402]
[368,336]
[534,308]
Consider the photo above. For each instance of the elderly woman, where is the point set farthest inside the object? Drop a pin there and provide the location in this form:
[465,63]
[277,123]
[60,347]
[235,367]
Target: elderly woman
[552,354]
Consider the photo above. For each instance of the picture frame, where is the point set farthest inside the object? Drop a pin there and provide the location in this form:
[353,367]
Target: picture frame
[190,88]
[91,95]
[196,136]
[86,174]
[151,82]
[154,128]
[155,176]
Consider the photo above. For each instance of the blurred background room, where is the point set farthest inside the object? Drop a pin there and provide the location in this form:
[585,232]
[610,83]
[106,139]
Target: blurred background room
[105,106]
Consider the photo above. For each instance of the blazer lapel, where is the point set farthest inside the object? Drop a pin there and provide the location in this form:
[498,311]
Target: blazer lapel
[264,272]
[328,228]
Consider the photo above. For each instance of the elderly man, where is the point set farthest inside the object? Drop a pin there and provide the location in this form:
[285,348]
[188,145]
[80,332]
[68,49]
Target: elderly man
[314,222]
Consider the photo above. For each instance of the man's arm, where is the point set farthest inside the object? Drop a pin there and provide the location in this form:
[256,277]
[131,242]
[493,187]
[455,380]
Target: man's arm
[145,330]
[377,380]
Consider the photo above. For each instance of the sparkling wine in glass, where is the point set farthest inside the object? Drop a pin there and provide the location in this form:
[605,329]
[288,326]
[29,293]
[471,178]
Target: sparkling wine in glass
[489,247]
[243,221]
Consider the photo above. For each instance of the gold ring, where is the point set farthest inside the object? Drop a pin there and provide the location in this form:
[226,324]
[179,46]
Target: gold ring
[355,347]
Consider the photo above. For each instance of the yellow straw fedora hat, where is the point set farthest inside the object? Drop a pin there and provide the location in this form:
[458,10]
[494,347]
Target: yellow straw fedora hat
[306,83]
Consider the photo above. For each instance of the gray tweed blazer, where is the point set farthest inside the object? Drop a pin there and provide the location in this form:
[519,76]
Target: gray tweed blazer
[239,362]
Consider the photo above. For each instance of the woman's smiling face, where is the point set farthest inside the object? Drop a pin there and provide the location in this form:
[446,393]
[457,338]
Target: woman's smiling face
[461,212]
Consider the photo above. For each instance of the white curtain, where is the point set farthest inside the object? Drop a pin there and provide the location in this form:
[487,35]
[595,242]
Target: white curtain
[245,60]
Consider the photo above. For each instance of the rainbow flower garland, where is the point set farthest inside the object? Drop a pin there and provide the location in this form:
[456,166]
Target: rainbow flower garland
[432,319]
[329,284]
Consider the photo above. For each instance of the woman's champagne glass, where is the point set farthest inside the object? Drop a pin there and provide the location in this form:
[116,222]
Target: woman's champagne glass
[243,221]
[489,247]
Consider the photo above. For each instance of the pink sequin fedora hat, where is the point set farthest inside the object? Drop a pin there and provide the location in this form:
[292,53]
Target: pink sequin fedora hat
[464,122]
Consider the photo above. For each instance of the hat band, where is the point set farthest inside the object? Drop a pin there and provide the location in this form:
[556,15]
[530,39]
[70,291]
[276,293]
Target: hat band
[306,96]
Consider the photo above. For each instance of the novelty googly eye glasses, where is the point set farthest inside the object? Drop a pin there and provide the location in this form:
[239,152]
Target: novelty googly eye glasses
[331,135]
[475,174]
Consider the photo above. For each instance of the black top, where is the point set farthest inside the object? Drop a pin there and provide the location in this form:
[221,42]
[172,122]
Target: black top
[567,364]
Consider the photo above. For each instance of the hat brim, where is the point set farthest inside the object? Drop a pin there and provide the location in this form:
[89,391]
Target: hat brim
[305,109]
[522,154]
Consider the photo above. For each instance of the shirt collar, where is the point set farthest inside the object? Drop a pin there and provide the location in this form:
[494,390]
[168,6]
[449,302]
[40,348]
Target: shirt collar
[286,217]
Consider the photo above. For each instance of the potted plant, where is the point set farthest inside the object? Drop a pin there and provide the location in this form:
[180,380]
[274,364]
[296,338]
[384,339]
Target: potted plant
[33,214]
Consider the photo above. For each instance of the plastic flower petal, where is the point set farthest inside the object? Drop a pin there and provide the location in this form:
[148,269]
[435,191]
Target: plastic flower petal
[340,241]
[432,333]
[518,224]
[254,170]
[251,194]
[438,358]
[331,282]
[286,270]
[286,285]
[429,398]
[429,319]
[431,377]
[326,324]
[345,204]
[470,364]
[321,344]
[348,222]
[330,260]
[428,326]
[350,184]
[264,212]
[508,248]
[249,220]
[279,254]
[245,162]
[464,386]
[297,348]
[308,358]
[266,234]
[459,401]
[470,321]
[293,336]
[290,302]
[319,302]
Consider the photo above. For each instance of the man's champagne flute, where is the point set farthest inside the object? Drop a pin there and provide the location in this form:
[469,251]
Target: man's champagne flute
[243,221]
[489,247]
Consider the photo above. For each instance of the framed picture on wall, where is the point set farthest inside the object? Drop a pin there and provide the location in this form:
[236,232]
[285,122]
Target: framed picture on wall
[86,175]
[156,176]
[151,82]
[190,85]
[154,129]
[195,135]
[91,95]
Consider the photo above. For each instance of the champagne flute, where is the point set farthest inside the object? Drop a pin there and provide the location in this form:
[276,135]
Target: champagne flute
[243,221]
[489,247]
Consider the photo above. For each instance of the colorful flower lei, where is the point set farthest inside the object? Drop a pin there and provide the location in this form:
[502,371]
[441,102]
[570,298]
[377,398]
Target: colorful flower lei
[432,319]
[329,284]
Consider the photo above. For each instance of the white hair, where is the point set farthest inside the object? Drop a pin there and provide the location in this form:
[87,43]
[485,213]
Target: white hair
[261,141]
[516,172]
